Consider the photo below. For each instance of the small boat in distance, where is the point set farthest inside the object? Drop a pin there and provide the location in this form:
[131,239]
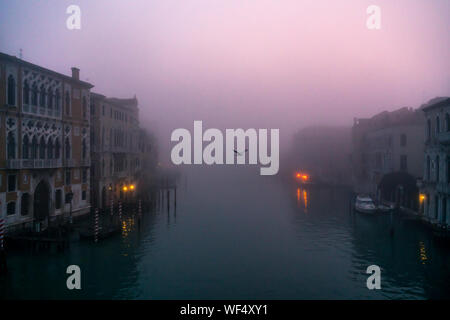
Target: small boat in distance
[365,204]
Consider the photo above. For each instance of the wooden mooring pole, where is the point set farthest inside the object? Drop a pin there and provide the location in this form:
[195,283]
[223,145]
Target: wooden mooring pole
[96,226]
[3,266]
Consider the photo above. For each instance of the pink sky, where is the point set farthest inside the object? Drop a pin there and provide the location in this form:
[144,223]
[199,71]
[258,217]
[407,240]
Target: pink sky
[251,63]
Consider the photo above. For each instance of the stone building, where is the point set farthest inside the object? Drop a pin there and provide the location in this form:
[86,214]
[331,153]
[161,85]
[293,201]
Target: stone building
[44,143]
[387,155]
[435,186]
[116,149]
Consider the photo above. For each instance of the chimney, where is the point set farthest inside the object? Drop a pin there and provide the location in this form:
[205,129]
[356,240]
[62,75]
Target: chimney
[75,73]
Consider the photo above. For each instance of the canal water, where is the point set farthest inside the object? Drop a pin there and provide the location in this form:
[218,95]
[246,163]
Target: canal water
[237,235]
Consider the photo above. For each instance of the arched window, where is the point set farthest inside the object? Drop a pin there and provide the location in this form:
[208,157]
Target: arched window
[25,204]
[50,149]
[57,149]
[84,108]
[84,149]
[25,147]
[447,122]
[42,96]
[57,100]
[11,146]
[50,99]
[34,148]
[34,91]
[26,92]
[67,147]
[438,125]
[42,148]
[67,101]
[11,90]
[428,167]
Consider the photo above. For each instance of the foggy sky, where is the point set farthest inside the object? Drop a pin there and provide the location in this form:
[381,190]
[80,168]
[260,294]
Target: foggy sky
[242,63]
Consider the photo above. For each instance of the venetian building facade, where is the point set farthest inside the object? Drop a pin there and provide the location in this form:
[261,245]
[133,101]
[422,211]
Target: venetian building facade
[116,160]
[435,186]
[44,144]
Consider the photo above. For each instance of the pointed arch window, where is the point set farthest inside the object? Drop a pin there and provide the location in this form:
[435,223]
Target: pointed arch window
[34,92]
[50,99]
[25,147]
[57,100]
[26,92]
[11,143]
[57,149]
[67,102]
[11,90]
[67,147]
[42,96]
[42,148]
[50,149]
[34,148]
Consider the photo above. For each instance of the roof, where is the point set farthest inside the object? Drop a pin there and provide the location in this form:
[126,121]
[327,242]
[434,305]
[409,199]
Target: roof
[4,56]
[437,102]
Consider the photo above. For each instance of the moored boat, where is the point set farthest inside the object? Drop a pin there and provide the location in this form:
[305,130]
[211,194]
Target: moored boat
[365,204]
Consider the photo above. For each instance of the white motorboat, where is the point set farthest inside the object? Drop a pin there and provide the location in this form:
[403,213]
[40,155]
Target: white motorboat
[365,204]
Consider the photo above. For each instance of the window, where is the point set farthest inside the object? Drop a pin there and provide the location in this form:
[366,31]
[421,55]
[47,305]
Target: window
[11,208]
[42,96]
[103,110]
[34,94]
[93,109]
[57,149]
[25,147]
[428,128]
[68,178]
[84,175]
[403,162]
[438,125]
[67,146]
[67,101]
[84,108]
[11,182]
[34,148]
[83,195]
[11,146]
[42,148]
[84,149]
[437,169]
[26,92]
[11,90]
[50,99]
[50,149]
[58,199]
[25,204]
[57,100]
[428,167]
[403,140]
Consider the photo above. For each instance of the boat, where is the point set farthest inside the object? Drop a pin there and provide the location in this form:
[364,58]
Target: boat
[364,204]
[382,208]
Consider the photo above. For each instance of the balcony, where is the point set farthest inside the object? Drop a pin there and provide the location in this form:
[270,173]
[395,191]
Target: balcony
[33,163]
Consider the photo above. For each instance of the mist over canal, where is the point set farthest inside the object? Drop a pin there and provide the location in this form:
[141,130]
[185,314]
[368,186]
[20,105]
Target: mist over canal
[238,235]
